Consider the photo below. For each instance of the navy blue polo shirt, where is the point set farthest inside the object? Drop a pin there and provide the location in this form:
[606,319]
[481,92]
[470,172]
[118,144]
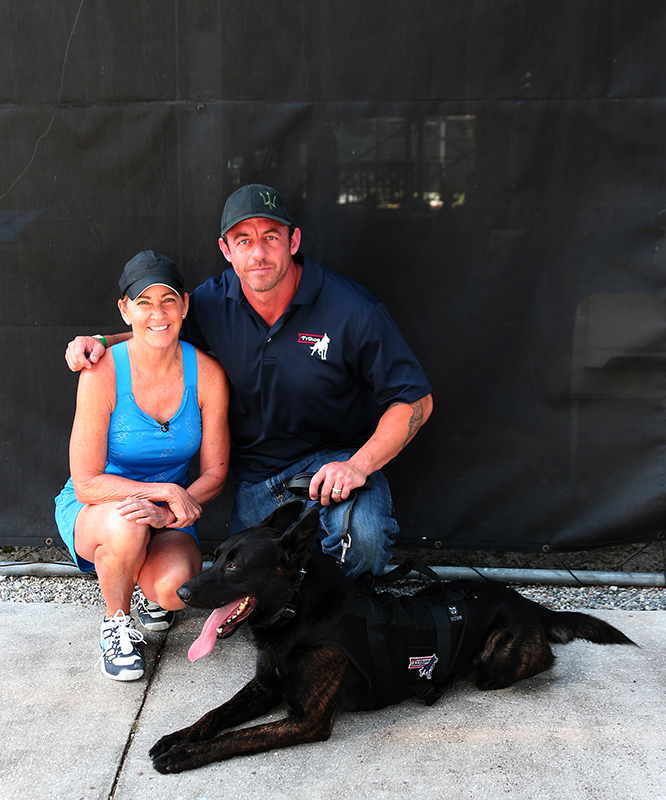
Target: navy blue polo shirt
[309,382]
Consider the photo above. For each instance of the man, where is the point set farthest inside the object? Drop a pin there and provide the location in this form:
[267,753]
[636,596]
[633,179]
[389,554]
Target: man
[308,354]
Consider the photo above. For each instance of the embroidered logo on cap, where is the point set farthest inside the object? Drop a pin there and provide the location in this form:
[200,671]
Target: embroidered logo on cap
[268,201]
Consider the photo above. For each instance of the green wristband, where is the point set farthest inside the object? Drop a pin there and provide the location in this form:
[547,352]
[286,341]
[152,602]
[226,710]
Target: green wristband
[101,338]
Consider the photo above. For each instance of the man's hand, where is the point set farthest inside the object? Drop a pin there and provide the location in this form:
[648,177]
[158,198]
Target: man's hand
[396,428]
[335,482]
[83,353]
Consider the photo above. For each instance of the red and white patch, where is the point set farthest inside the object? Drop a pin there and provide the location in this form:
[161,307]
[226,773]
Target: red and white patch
[310,338]
[318,343]
[424,664]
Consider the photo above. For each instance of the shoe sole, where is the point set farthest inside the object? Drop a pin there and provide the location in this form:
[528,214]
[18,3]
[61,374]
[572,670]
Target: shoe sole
[125,675]
[156,626]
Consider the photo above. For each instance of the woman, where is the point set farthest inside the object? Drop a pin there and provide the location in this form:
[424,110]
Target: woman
[127,511]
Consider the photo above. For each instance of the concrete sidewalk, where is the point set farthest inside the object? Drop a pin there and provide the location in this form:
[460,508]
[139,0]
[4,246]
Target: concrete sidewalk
[592,727]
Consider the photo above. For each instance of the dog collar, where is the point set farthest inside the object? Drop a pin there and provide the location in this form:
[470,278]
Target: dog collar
[288,610]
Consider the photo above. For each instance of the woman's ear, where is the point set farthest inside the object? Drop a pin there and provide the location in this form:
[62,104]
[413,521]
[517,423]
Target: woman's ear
[122,306]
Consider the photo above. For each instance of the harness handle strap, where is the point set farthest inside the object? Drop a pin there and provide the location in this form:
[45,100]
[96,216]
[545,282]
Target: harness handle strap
[407,566]
[299,485]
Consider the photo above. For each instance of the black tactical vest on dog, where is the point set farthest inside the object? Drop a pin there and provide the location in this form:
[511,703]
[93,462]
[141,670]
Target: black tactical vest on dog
[401,645]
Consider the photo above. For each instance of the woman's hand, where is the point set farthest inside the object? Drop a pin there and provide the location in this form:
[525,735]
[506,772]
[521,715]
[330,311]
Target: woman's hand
[145,512]
[179,511]
[183,505]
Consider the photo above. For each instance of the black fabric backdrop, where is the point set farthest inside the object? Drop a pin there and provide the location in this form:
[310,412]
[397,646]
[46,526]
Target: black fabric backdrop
[494,170]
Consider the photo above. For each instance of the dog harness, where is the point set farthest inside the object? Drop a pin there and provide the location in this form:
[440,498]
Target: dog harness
[402,646]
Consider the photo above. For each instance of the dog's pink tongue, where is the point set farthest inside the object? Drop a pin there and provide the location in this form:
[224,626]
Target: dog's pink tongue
[206,641]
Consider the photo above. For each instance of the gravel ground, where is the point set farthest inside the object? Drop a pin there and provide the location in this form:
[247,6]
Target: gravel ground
[84,590]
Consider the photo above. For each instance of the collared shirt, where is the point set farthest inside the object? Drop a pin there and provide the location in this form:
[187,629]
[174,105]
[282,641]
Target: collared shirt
[311,381]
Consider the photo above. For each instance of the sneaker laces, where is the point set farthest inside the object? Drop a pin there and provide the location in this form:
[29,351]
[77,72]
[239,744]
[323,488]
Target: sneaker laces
[141,602]
[122,635]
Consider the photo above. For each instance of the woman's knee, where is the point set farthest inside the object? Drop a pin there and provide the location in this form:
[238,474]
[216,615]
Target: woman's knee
[162,589]
[166,569]
[103,527]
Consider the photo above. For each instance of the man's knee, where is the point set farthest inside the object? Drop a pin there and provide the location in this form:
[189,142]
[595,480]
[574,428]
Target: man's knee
[364,536]
[370,548]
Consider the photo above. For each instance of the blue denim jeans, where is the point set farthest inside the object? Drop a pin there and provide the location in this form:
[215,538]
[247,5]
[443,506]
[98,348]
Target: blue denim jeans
[372,528]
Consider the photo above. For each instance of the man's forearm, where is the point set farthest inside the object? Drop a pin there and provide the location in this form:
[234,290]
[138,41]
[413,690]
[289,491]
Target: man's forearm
[84,352]
[116,338]
[395,430]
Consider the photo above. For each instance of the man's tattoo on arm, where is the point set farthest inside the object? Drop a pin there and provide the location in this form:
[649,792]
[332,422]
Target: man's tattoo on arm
[415,421]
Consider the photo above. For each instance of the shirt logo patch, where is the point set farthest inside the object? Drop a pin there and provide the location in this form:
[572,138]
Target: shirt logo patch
[317,342]
[424,664]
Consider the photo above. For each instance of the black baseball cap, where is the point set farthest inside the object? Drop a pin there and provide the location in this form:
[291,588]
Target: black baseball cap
[255,200]
[148,268]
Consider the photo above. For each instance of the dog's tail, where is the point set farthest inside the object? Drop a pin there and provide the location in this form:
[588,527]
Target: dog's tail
[565,626]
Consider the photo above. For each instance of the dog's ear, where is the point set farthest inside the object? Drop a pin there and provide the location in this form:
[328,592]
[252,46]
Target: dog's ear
[297,543]
[283,517]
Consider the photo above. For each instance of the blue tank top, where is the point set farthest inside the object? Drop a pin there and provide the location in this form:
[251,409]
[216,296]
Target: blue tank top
[139,447]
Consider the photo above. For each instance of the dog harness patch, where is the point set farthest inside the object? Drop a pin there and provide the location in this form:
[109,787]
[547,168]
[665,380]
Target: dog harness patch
[425,665]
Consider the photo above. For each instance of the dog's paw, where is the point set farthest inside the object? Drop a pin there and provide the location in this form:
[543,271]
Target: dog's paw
[162,746]
[175,759]
[163,764]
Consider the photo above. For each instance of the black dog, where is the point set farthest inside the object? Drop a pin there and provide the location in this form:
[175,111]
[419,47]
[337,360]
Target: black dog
[319,648]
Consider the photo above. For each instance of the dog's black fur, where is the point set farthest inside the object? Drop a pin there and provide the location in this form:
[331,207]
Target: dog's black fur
[506,639]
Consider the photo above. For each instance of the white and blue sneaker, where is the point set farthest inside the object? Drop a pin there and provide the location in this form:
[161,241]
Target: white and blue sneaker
[152,616]
[118,638]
